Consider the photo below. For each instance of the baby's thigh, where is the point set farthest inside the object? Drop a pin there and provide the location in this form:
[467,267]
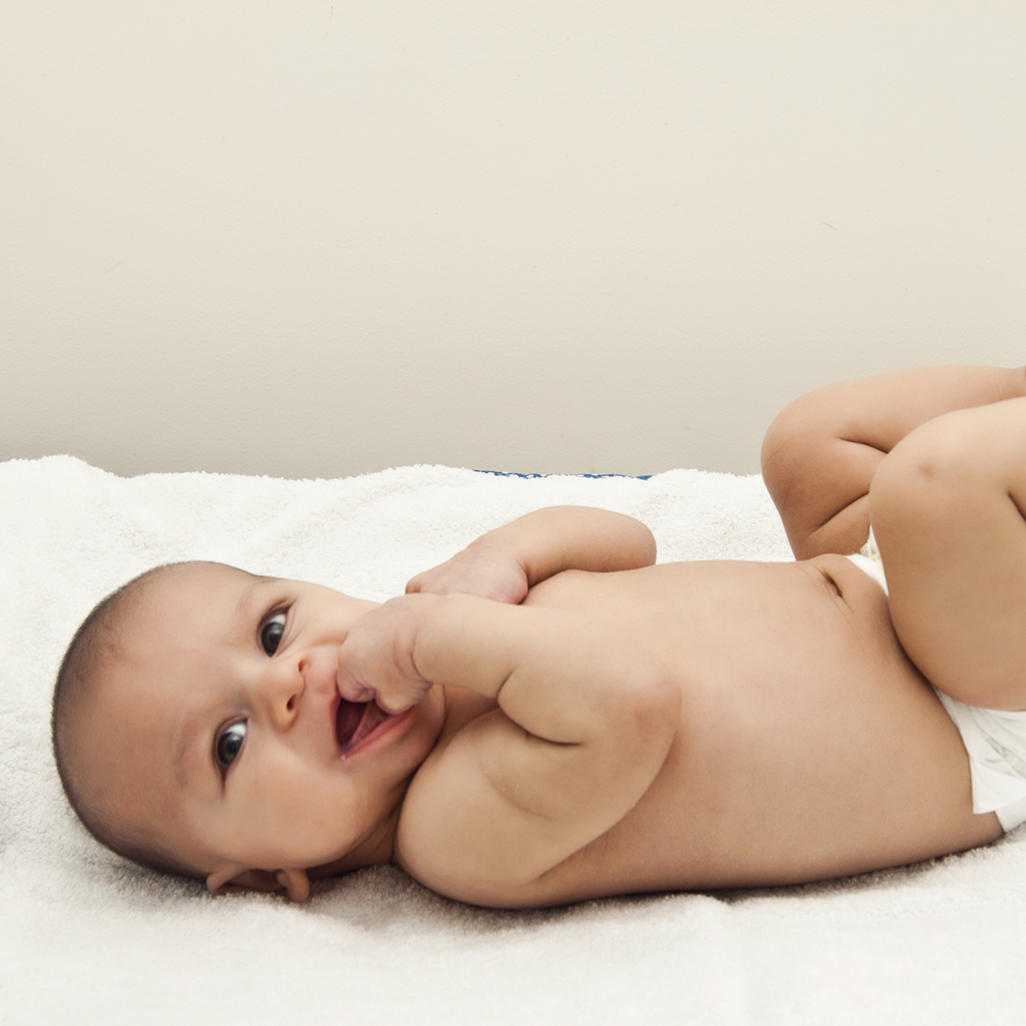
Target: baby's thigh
[953,543]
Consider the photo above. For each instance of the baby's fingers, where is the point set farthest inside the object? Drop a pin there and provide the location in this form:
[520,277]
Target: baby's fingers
[376,661]
[481,572]
[438,580]
[351,688]
[417,584]
[391,697]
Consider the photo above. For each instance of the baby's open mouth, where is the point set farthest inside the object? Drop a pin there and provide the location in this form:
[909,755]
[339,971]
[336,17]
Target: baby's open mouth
[356,720]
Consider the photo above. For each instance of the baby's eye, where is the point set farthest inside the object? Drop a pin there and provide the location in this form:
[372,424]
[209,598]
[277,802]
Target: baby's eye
[228,743]
[271,631]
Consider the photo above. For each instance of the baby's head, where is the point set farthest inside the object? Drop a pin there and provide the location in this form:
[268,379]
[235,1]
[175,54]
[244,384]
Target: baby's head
[198,729]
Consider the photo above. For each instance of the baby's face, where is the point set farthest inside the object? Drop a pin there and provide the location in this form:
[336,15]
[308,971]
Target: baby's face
[223,729]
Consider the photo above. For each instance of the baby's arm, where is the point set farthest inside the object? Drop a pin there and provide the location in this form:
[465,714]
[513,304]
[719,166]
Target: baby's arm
[506,563]
[821,453]
[584,721]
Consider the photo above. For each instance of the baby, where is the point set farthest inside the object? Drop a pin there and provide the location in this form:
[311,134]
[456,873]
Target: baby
[549,717]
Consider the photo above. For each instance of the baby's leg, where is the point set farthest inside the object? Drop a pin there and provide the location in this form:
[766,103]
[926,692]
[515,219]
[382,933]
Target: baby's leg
[822,451]
[947,507]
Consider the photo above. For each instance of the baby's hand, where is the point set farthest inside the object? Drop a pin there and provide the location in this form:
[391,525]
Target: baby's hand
[487,571]
[376,659]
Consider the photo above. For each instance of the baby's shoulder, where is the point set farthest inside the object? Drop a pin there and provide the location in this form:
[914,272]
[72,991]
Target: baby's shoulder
[449,800]
[466,714]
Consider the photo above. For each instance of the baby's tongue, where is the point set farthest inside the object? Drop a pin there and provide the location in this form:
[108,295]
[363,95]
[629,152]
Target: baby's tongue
[355,721]
[373,717]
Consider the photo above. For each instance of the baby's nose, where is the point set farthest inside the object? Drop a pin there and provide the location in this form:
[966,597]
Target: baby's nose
[285,688]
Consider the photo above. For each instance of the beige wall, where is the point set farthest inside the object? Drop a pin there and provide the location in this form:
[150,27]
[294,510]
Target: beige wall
[323,238]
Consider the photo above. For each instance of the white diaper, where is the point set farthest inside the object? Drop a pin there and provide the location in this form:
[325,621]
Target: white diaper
[996,742]
[995,739]
[869,561]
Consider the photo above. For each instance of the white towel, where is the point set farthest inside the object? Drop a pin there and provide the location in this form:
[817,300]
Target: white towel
[85,937]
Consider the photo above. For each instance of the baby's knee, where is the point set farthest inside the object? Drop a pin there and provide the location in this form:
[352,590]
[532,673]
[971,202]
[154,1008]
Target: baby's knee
[922,477]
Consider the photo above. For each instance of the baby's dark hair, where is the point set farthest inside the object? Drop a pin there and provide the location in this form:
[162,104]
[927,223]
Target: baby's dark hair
[96,645]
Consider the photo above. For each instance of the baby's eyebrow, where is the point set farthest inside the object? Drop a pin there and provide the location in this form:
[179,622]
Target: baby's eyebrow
[250,607]
[243,611]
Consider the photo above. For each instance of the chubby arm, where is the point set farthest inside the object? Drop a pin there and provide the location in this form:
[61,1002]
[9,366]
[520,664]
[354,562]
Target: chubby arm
[584,722]
[506,563]
[821,453]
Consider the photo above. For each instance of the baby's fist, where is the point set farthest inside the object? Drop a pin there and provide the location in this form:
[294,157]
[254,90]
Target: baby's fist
[481,570]
[376,660]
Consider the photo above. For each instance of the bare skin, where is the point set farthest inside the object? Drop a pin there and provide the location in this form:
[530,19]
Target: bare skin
[933,457]
[586,723]
[821,757]
[808,743]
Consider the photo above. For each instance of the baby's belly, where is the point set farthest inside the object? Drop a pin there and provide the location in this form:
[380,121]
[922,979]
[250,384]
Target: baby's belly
[809,746]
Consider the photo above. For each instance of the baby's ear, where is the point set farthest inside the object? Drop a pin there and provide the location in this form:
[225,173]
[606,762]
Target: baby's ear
[294,882]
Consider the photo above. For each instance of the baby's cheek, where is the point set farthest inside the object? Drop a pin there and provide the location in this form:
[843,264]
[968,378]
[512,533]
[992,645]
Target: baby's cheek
[300,812]
[275,801]
[312,811]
